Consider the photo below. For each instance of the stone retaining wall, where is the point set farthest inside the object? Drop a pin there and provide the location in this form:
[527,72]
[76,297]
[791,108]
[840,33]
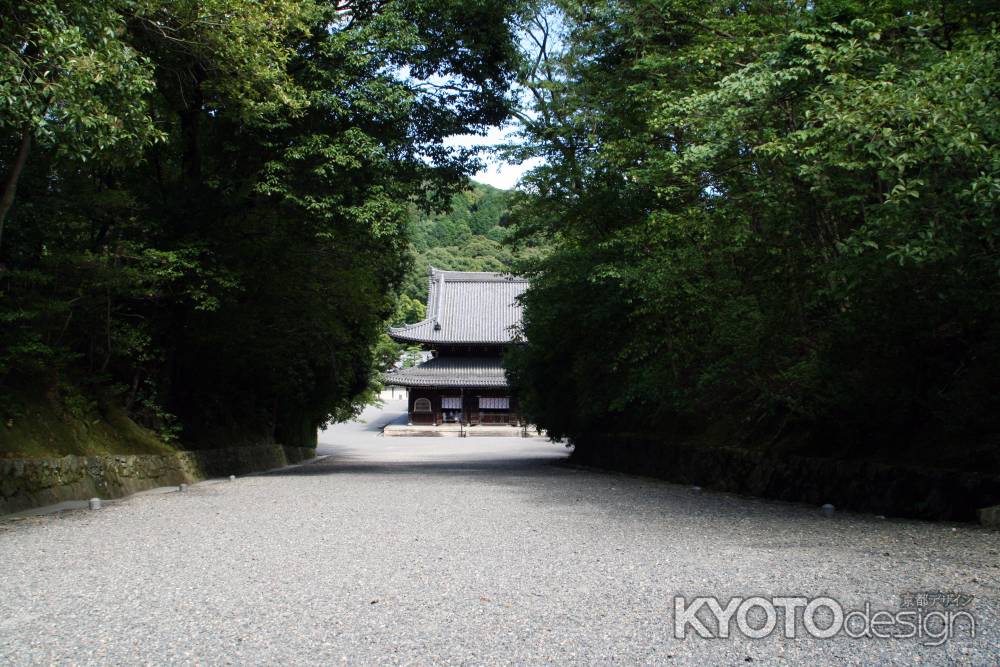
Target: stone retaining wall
[863,486]
[27,483]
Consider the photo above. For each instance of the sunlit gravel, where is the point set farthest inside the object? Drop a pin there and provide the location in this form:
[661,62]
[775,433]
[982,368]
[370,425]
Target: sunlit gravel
[464,551]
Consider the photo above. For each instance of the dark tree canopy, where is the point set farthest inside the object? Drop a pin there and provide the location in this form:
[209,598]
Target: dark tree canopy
[207,201]
[766,222]
[766,219]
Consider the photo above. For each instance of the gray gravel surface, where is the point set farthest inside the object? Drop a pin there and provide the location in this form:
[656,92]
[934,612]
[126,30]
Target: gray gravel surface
[463,551]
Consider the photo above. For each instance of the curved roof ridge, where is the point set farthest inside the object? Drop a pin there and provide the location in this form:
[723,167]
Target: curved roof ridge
[488,276]
[480,307]
[415,325]
[451,372]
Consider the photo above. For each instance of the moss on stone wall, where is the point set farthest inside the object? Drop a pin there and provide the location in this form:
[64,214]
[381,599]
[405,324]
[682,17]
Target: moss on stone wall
[26,483]
[46,425]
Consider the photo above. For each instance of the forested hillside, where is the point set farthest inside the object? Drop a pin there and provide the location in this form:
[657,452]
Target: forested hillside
[468,237]
[774,224]
[203,222]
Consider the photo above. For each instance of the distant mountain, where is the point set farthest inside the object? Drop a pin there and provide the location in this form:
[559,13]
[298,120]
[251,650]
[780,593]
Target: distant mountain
[467,238]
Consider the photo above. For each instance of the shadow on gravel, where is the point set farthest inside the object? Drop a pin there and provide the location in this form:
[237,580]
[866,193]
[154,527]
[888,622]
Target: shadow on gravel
[376,425]
[348,465]
[549,479]
[339,461]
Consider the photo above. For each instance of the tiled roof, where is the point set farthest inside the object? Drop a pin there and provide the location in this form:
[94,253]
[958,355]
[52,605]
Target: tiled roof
[451,372]
[467,307]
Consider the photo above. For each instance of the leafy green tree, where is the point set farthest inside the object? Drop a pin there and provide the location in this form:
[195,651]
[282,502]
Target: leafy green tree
[767,220]
[72,83]
[228,279]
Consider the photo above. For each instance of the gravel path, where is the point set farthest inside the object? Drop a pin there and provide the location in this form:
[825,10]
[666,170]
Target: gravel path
[473,551]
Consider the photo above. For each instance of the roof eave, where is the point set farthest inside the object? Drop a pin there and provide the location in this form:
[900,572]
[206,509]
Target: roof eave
[433,342]
[415,384]
[401,335]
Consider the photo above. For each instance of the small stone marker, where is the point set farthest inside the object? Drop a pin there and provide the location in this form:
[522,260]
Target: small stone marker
[183,488]
[95,503]
[827,510]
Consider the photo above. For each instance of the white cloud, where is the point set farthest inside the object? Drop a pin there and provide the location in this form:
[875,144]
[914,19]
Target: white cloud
[504,176]
[497,173]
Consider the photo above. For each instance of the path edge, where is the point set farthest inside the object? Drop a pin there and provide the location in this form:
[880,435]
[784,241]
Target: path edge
[31,483]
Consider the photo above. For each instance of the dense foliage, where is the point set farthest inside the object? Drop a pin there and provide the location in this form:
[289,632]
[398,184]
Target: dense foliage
[469,236]
[769,218]
[205,202]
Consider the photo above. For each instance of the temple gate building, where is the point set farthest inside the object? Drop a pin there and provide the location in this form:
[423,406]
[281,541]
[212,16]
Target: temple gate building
[471,319]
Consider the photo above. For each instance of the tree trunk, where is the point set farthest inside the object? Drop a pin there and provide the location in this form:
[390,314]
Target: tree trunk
[190,117]
[191,152]
[10,183]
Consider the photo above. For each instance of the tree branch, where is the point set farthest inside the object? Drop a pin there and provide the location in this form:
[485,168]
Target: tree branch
[13,176]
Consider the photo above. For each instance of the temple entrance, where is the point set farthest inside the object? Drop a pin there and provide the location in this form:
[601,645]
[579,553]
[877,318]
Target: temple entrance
[462,386]
[422,412]
[451,409]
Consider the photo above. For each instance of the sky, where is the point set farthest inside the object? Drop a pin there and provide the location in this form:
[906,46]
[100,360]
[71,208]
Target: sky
[496,173]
